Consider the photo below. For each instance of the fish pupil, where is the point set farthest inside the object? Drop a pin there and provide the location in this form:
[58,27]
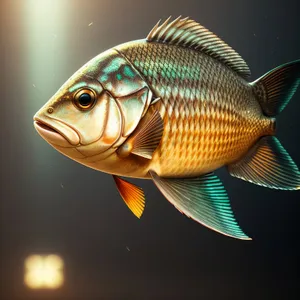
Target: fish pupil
[85,99]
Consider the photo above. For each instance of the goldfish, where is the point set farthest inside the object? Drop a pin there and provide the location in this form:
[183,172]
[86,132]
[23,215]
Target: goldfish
[173,108]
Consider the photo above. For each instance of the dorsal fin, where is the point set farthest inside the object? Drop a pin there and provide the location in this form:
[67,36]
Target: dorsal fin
[189,34]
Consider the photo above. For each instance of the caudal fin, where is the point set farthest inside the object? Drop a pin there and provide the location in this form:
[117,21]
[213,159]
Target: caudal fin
[267,163]
[275,89]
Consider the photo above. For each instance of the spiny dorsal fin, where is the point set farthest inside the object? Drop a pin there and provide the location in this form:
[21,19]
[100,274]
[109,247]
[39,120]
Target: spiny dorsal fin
[189,34]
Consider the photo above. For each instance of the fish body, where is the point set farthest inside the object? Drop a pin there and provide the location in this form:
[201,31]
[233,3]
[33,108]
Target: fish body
[211,114]
[174,107]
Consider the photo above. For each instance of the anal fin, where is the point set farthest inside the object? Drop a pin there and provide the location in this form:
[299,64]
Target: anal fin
[267,164]
[203,199]
[132,195]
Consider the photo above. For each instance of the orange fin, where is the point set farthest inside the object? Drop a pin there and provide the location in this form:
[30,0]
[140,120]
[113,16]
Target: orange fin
[132,195]
[146,138]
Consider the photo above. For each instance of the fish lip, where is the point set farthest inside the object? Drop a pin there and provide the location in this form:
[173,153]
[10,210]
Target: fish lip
[57,137]
[45,126]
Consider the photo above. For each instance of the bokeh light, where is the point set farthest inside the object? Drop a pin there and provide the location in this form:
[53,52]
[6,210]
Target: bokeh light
[44,271]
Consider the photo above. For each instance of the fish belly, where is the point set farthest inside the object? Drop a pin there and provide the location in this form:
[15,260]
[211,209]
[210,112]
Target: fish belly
[211,116]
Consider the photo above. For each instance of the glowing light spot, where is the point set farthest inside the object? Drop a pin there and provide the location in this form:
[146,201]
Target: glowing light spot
[44,272]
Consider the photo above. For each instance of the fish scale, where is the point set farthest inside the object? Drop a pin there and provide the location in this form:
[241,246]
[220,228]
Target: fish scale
[211,116]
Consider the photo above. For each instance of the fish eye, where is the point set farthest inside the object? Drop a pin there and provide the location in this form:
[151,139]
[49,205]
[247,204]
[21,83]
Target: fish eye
[85,99]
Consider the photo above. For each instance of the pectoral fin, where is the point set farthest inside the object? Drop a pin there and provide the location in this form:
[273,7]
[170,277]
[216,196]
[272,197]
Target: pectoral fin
[203,199]
[146,138]
[132,195]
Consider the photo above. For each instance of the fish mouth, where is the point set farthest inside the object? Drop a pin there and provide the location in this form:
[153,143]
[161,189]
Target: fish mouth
[43,126]
[56,133]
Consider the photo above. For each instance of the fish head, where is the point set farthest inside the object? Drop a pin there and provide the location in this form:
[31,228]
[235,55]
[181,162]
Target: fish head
[95,111]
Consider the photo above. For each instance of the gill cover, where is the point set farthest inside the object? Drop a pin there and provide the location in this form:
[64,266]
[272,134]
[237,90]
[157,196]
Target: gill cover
[127,98]
[132,94]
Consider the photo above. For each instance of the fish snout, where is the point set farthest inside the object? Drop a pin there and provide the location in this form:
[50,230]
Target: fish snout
[56,132]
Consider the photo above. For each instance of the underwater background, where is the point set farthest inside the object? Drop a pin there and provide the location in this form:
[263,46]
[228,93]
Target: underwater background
[50,204]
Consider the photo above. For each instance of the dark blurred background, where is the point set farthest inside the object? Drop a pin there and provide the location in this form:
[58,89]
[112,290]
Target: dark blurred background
[50,204]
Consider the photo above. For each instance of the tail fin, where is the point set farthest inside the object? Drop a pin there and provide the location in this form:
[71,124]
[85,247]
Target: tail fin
[276,88]
[267,163]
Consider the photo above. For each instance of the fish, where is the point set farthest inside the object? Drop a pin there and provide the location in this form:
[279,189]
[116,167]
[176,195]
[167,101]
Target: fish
[173,108]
